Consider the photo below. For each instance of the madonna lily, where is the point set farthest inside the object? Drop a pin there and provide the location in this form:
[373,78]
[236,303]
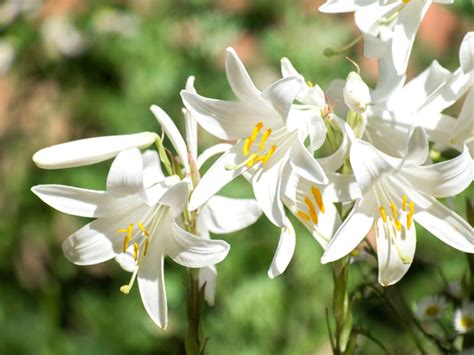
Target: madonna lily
[402,17]
[268,138]
[395,194]
[138,223]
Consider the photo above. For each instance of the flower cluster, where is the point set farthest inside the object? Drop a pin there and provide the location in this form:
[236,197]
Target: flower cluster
[345,162]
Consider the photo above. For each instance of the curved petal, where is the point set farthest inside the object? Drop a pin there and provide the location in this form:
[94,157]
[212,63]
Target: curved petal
[125,176]
[217,177]
[284,252]
[229,120]
[211,151]
[282,93]
[226,215]
[342,188]
[405,31]
[192,251]
[238,77]
[71,200]
[444,179]
[395,251]
[90,151]
[418,149]
[151,282]
[172,132]
[305,164]
[334,161]
[368,164]
[443,223]
[176,197]
[208,278]
[152,172]
[466,53]
[464,127]
[351,232]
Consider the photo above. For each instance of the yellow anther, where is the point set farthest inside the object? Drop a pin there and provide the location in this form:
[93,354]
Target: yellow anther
[310,84]
[264,138]
[135,251]
[125,289]
[252,159]
[303,215]
[255,131]
[147,243]
[318,198]
[122,230]
[312,210]
[409,220]
[269,154]
[412,207]
[143,229]
[404,202]
[398,225]
[406,1]
[246,147]
[382,214]
[394,210]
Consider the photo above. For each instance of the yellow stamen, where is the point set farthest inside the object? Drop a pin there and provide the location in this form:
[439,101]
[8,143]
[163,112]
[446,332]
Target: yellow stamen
[143,229]
[126,288]
[255,131]
[252,161]
[409,220]
[394,210]
[382,213]
[312,210]
[406,1]
[303,215]
[147,243]
[269,154]
[128,238]
[412,207]
[135,251]
[246,148]
[398,225]
[310,84]
[404,202]
[264,138]
[318,198]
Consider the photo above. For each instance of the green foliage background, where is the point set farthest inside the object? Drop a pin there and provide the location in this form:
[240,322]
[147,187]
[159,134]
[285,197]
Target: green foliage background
[49,306]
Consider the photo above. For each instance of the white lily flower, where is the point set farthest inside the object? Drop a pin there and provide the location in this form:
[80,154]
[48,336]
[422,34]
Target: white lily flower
[138,223]
[402,17]
[356,93]
[464,318]
[431,307]
[90,150]
[395,194]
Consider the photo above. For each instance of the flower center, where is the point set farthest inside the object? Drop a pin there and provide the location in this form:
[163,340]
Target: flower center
[395,217]
[140,242]
[432,310]
[310,214]
[467,322]
[258,156]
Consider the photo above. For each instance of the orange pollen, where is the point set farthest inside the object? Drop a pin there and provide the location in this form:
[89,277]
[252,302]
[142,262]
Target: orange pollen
[303,215]
[312,210]
[318,198]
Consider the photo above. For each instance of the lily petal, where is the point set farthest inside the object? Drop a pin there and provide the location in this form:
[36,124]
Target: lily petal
[238,77]
[125,176]
[282,93]
[305,164]
[192,251]
[284,252]
[226,215]
[212,151]
[172,132]
[466,53]
[151,282]
[152,172]
[418,149]
[90,151]
[176,197]
[351,232]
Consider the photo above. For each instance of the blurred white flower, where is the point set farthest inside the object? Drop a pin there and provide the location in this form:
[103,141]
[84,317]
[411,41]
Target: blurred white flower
[61,37]
[113,21]
[431,307]
[7,55]
[356,93]
[455,289]
[464,318]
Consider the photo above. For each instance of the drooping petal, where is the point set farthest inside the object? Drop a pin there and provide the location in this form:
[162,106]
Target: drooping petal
[351,232]
[418,149]
[90,150]
[125,176]
[368,164]
[266,187]
[208,277]
[447,178]
[217,177]
[466,53]
[229,120]
[395,251]
[226,215]
[464,128]
[440,221]
[172,132]
[238,77]
[176,197]
[282,93]
[335,160]
[305,164]
[192,251]
[284,252]
[152,172]
[212,151]
[342,188]
[151,282]
[71,200]
[405,31]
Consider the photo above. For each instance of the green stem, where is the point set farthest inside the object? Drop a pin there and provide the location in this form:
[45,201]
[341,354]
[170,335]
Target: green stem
[329,52]
[195,341]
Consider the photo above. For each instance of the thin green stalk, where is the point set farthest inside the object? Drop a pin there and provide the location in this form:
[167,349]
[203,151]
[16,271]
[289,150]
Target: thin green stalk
[195,341]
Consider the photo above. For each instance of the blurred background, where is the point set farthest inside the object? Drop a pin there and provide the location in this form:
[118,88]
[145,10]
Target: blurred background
[72,69]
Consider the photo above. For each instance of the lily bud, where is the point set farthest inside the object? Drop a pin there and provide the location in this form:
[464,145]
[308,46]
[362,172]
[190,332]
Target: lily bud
[356,93]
